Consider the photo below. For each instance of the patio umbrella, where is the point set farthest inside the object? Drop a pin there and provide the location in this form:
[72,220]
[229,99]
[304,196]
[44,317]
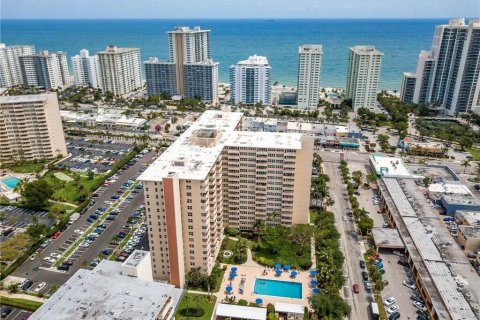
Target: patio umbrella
[232,275]
[278,272]
[278,266]
[229,288]
[259,301]
[293,274]
[313,273]
[313,282]
[316,291]
[234,269]
[287,267]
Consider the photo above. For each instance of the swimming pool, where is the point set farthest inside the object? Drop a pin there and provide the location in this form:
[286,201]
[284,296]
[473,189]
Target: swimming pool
[11,182]
[278,288]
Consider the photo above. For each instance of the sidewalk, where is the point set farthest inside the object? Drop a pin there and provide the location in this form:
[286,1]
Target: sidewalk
[4,293]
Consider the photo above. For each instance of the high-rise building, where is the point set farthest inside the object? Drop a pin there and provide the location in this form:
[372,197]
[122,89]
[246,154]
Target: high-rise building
[161,77]
[86,70]
[45,69]
[196,74]
[120,70]
[250,81]
[363,76]
[213,177]
[30,128]
[447,76]
[309,66]
[10,71]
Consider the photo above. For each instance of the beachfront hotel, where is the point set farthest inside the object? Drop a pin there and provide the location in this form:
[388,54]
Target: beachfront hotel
[46,69]
[10,71]
[214,176]
[30,128]
[250,81]
[190,71]
[120,70]
[363,76]
[86,71]
[447,76]
[309,66]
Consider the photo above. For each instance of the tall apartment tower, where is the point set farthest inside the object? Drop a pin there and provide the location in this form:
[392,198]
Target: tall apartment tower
[120,70]
[447,76]
[45,69]
[196,74]
[309,67]
[213,177]
[250,81]
[86,71]
[10,71]
[363,76]
[31,128]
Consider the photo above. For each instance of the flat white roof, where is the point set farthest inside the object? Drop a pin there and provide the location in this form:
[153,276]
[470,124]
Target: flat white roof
[192,161]
[449,188]
[23,98]
[104,293]
[240,312]
[289,308]
[302,126]
[389,166]
[136,257]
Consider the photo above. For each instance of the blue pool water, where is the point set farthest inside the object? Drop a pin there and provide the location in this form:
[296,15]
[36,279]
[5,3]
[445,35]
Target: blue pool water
[277,288]
[11,182]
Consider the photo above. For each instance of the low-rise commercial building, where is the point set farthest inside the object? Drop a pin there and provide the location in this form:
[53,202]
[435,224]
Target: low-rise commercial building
[469,238]
[104,118]
[468,218]
[30,128]
[110,291]
[452,203]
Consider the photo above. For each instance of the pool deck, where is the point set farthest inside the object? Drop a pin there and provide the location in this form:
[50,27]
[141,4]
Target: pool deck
[251,273]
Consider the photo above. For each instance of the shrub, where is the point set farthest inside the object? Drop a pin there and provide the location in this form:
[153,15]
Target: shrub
[270,308]
[192,312]
[232,232]
[242,302]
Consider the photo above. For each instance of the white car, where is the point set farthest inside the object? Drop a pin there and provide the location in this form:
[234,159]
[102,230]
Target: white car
[84,244]
[40,286]
[409,285]
[33,256]
[49,259]
[389,301]
[392,309]
[55,255]
[418,305]
[79,232]
[397,253]
[344,218]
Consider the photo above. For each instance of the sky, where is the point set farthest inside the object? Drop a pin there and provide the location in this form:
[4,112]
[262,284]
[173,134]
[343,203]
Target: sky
[225,9]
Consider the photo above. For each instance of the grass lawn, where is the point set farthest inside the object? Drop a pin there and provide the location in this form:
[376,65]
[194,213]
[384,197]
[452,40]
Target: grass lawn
[228,244]
[20,303]
[27,167]
[13,247]
[475,154]
[313,215]
[193,300]
[72,191]
[285,255]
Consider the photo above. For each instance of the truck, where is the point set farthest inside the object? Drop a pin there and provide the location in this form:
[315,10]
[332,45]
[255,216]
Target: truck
[74,217]
[375,312]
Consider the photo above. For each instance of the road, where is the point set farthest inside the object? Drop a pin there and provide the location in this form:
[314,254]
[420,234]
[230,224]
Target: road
[31,269]
[349,244]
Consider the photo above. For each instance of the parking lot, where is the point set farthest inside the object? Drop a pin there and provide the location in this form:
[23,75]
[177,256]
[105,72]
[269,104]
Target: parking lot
[14,313]
[97,156]
[40,271]
[16,220]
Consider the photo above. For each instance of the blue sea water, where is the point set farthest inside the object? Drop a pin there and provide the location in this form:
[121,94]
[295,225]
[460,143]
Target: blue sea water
[232,40]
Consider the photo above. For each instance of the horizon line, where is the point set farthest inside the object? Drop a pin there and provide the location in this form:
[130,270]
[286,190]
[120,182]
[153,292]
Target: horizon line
[243,18]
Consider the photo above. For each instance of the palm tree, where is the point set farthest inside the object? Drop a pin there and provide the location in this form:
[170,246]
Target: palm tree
[465,164]
[272,216]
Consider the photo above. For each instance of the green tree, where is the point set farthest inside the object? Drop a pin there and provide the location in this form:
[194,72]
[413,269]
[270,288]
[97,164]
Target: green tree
[329,306]
[357,176]
[37,193]
[275,237]
[465,164]
[90,174]
[301,236]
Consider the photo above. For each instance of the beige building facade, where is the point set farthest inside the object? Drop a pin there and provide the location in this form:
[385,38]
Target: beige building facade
[31,128]
[214,176]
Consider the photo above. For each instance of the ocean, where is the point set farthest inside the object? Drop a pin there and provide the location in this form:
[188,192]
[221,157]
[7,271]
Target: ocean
[232,40]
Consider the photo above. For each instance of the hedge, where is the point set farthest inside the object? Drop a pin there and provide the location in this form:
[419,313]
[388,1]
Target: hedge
[20,303]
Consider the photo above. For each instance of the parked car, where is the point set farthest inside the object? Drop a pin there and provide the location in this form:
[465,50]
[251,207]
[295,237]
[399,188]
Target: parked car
[40,286]
[368,285]
[33,256]
[397,253]
[403,263]
[382,271]
[409,284]
[49,259]
[63,267]
[46,243]
[362,264]
[356,288]
[418,305]
[5,311]
[26,284]
[392,309]
[365,275]
[394,316]
[388,302]
[56,235]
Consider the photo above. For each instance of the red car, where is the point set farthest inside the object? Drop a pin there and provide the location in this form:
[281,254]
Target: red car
[356,288]
[56,235]
[25,317]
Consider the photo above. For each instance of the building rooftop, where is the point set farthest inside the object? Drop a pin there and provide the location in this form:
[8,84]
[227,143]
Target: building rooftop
[111,49]
[183,29]
[289,308]
[470,217]
[449,188]
[255,61]
[135,258]
[461,200]
[104,293]
[389,166]
[194,153]
[387,238]
[470,231]
[23,98]
[310,48]
[366,50]
[240,312]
